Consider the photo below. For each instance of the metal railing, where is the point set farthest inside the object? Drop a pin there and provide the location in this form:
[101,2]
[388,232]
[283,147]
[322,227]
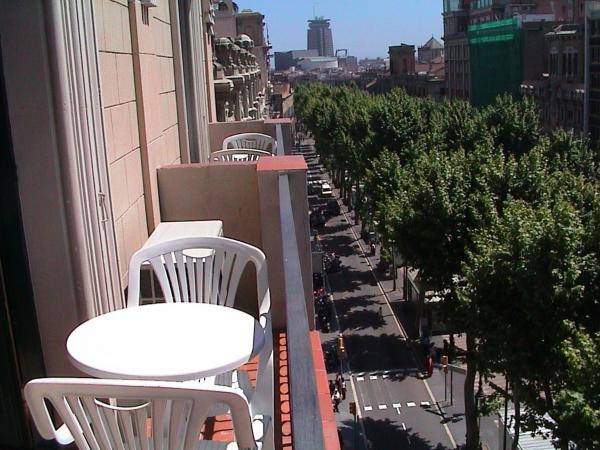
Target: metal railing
[307,426]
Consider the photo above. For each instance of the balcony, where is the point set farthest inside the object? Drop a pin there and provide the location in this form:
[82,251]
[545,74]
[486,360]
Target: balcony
[279,129]
[264,203]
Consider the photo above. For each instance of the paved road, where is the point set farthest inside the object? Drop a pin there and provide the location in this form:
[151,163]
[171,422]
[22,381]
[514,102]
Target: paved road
[395,403]
[396,407]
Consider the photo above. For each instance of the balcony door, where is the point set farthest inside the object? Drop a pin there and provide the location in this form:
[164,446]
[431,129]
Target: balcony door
[20,353]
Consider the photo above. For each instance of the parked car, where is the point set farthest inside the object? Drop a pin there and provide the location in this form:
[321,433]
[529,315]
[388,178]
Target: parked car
[326,190]
[317,218]
[313,188]
[333,207]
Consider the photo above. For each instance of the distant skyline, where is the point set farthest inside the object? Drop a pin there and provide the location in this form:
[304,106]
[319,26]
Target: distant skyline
[362,28]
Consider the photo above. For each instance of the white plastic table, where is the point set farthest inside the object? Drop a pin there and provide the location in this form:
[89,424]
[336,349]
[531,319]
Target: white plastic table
[165,341]
[166,231]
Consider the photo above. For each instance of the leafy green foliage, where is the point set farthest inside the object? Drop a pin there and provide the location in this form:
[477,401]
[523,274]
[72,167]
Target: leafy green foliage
[501,217]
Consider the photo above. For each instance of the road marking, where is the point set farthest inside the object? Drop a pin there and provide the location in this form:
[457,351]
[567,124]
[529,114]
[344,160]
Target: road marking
[426,404]
[411,404]
[407,436]
[400,328]
[360,378]
[398,411]
[452,441]
[382,406]
[368,408]
[396,405]
[373,377]
[356,394]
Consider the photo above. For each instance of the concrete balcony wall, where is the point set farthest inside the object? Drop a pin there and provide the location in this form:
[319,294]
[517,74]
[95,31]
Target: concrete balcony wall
[220,130]
[245,196]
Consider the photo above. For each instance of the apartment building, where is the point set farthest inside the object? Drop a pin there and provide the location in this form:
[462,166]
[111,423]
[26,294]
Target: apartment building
[109,116]
[558,89]
[456,49]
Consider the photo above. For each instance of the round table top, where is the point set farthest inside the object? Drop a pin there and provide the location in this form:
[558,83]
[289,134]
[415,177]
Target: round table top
[166,341]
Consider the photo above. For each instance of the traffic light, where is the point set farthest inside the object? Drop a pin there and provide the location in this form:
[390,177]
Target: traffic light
[353,408]
[445,363]
[340,345]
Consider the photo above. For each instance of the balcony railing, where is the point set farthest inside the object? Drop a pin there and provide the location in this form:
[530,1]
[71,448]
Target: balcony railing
[264,203]
[307,426]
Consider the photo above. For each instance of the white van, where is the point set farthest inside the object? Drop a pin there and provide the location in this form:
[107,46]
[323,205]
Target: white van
[326,190]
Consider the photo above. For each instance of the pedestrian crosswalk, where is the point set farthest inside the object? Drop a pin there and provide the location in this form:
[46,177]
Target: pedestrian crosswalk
[397,406]
[360,376]
[378,391]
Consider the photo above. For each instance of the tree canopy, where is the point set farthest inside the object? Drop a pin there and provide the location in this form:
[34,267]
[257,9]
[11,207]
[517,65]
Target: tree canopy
[501,217]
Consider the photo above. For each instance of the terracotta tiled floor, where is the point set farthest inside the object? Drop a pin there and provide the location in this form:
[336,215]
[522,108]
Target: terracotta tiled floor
[220,428]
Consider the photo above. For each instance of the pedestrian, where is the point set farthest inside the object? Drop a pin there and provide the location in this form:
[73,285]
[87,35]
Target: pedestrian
[452,348]
[338,381]
[380,313]
[373,249]
[336,400]
[430,357]
[343,389]
[446,348]
[331,387]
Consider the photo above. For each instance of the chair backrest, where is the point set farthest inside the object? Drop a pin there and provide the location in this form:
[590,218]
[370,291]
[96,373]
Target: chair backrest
[253,141]
[115,414]
[241,154]
[210,279]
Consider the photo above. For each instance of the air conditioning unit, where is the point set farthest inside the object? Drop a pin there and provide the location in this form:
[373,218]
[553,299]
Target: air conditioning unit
[149,3]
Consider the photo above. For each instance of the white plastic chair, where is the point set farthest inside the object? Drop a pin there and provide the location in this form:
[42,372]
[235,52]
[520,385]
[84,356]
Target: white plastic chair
[139,415]
[213,279]
[252,141]
[239,154]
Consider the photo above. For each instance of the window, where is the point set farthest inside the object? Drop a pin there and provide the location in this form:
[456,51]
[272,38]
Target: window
[595,54]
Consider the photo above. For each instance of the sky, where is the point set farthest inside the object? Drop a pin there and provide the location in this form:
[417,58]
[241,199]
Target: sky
[365,27]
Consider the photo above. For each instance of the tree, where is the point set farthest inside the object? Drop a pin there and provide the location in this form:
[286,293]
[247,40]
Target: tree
[515,126]
[444,198]
[488,210]
[382,183]
[523,284]
[398,125]
[462,126]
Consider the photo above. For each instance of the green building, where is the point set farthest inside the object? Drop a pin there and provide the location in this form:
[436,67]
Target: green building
[496,59]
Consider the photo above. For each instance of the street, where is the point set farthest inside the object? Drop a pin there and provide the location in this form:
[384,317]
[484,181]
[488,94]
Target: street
[395,404]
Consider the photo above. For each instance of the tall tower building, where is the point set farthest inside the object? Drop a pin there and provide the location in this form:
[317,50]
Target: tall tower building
[320,37]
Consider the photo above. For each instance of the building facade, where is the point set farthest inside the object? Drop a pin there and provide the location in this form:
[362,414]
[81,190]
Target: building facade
[320,37]
[558,90]
[592,65]
[431,51]
[108,114]
[289,59]
[456,49]
[419,80]
[402,59]
[241,66]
